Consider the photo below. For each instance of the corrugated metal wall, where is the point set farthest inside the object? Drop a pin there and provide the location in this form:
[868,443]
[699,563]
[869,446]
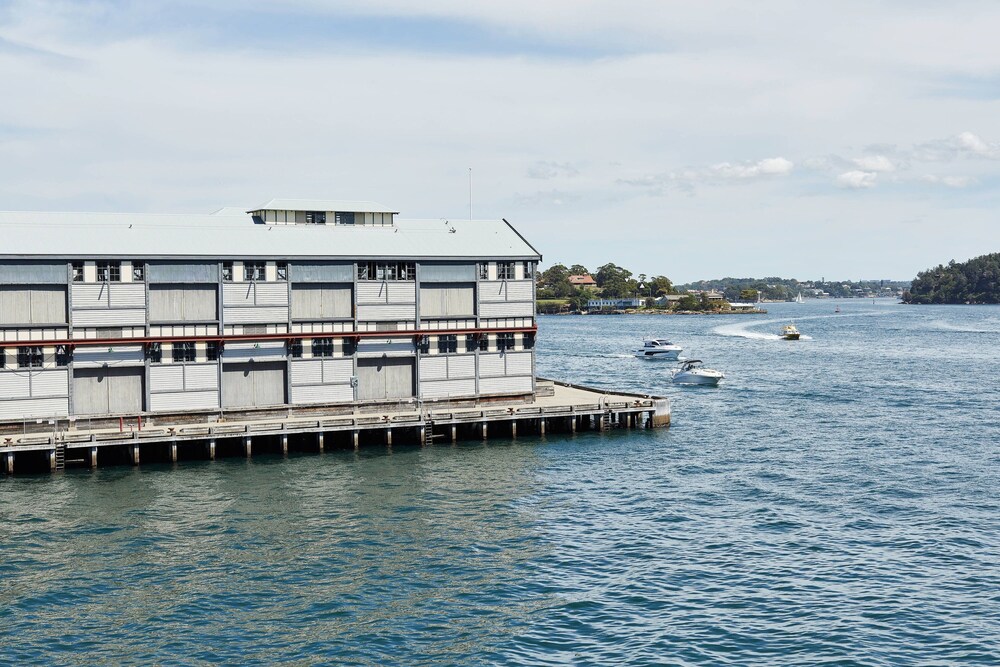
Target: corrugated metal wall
[443,376]
[322,380]
[109,304]
[320,301]
[255,384]
[506,298]
[265,350]
[34,304]
[246,303]
[183,303]
[393,347]
[375,292]
[505,385]
[184,386]
[108,391]
[34,407]
[447,300]
[117,355]
[385,378]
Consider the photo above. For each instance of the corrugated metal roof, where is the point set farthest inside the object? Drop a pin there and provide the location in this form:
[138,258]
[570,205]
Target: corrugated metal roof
[323,205]
[224,235]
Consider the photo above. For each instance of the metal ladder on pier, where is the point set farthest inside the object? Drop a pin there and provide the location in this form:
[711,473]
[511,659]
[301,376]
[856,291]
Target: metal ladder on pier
[605,423]
[60,456]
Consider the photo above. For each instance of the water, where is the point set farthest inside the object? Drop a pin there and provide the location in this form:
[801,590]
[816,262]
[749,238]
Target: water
[837,501]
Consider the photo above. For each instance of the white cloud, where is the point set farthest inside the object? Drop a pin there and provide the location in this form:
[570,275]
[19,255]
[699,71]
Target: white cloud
[544,170]
[949,181]
[877,163]
[857,180]
[774,166]
[963,145]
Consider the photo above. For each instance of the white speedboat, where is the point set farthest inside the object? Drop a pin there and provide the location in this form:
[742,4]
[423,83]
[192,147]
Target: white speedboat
[693,372]
[658,348]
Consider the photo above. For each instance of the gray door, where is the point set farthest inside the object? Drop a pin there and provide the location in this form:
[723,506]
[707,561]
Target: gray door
[253,384]
[108,391]
[385,377]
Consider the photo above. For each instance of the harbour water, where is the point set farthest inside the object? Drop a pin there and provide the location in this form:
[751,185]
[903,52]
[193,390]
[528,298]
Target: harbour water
[836,501]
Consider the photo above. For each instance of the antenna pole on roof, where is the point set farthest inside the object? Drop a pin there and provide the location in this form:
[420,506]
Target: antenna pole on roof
[470,193]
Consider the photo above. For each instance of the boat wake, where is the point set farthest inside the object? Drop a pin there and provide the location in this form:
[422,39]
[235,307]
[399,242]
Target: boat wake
[743,329]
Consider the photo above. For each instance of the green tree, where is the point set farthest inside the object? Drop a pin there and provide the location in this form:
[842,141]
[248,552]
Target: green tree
[661,285]
[578,270]
[748,294]
[688,302]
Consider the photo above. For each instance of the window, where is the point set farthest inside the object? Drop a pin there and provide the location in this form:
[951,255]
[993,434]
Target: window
[64,355]
[527,270]
[227,272]
[505,341]
[212,350]
[29,357]
[3,357]
[253,271]
[154,352]
[471,342]
[528,341]
[109,272]
[484,342]
[505,270]
[387,271]
[315,217]
[322,347]
[484,271]
[78,272]
[424,344]
[282,270]
[295,348]
[138,272]
[350,346]
[343,218]
[448,343]
[183,351]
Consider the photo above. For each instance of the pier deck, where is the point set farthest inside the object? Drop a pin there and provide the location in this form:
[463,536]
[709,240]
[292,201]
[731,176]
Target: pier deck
[556,406]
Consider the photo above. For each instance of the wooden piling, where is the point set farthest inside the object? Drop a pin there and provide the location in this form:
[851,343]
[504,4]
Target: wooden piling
[321,442]
[8,463]
[248,446]
[135,455]
[485,431]
[356,437]
[93,457]
[388,437]
[513,428]
[173,452]
[284,444]
[211,449]
[541,426]
[454,433]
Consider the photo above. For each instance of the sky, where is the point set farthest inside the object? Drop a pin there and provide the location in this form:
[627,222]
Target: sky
[848,140]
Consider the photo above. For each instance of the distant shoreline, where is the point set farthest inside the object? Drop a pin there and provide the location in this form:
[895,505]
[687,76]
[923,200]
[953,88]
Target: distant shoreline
[760,311]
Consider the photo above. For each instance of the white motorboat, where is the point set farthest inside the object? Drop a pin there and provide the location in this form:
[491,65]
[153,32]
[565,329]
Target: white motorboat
[693,372]
[658,348]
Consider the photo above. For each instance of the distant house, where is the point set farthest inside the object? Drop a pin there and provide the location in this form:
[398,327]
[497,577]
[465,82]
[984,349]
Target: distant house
[585,280]
[667,299]
[614,304]
[712,294]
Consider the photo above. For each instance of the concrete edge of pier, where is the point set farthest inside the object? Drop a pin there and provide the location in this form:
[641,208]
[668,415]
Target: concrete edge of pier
[555,407]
